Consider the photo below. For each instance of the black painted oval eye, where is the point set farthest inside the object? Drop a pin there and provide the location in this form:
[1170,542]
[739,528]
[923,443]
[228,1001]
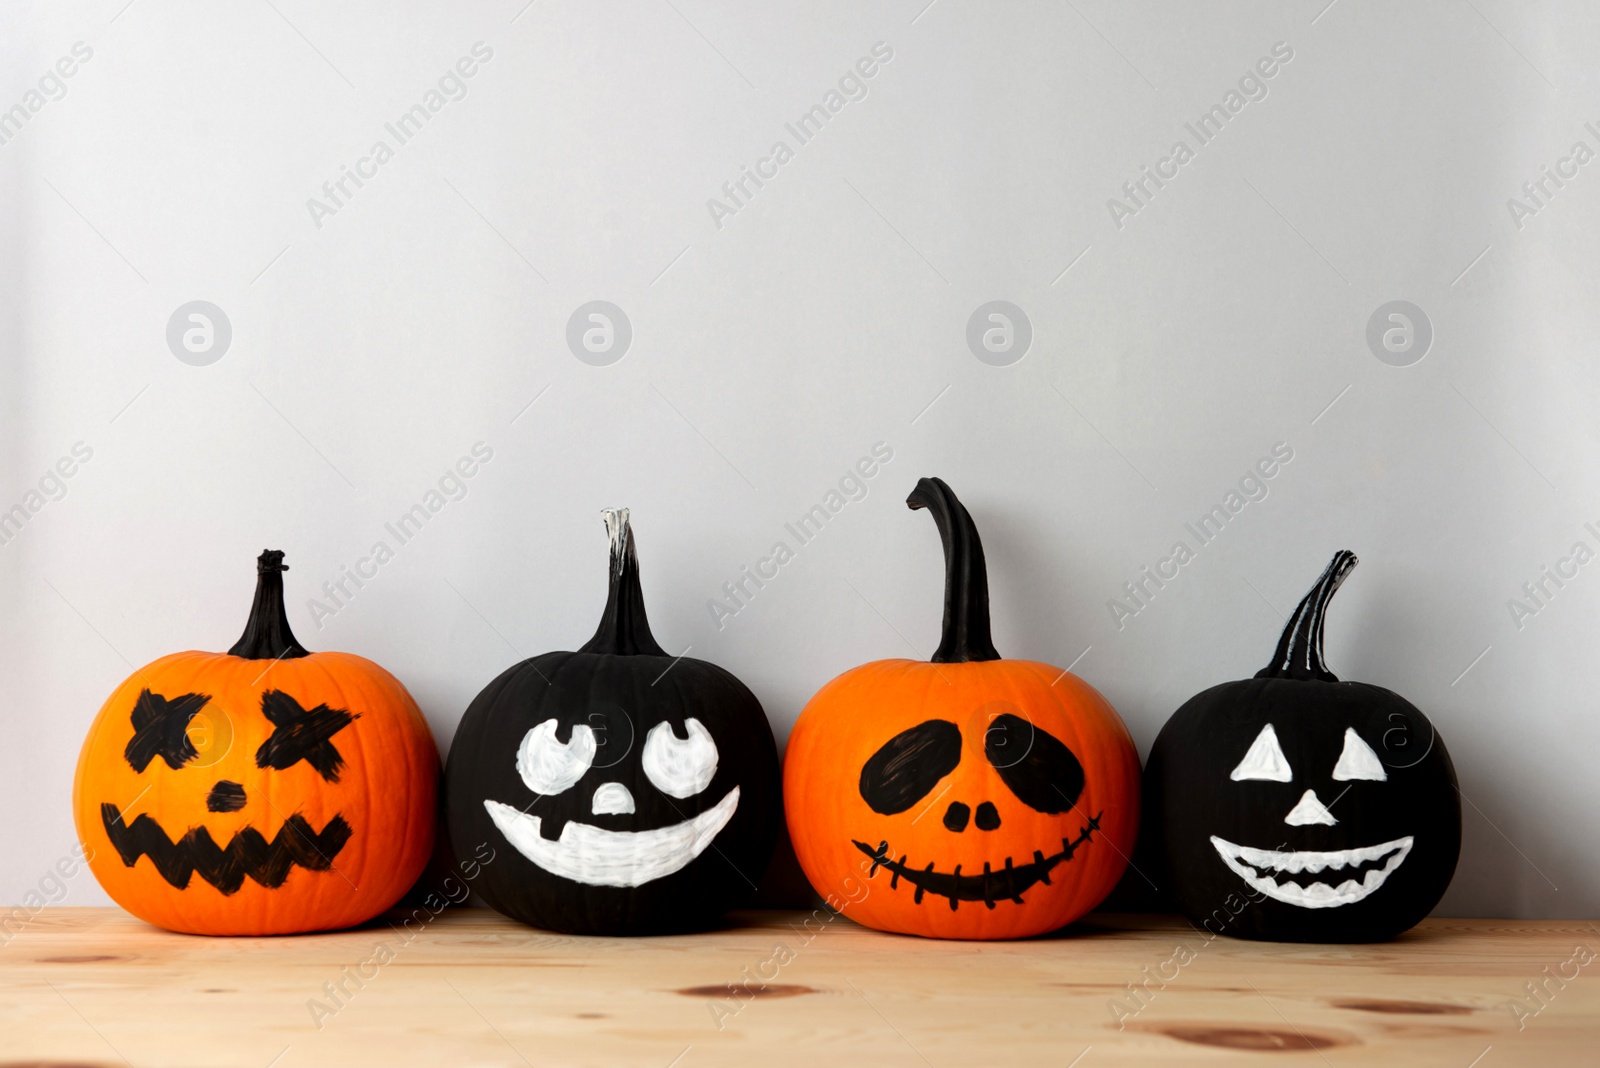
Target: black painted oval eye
[908,765]
[1033,764]
[161,729]
[301,735]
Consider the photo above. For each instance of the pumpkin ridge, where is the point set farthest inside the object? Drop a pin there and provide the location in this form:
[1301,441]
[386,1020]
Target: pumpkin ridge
[316,670]
[356,873]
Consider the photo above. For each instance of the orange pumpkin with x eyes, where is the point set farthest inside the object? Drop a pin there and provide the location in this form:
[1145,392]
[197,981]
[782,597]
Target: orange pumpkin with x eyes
[967,797]
[266,790]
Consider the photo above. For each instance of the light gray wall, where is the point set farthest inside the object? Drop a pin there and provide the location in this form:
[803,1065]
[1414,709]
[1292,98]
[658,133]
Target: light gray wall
[1171,349]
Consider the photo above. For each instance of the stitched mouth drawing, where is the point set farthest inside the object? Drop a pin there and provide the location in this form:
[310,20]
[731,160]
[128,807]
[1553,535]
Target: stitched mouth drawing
[1007,884]
[593,855]
[1290,876]
[248,853]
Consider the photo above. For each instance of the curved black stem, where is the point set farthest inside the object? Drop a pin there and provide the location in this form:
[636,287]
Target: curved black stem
[267,635]
[966,576]
[623,630]
[1299,654]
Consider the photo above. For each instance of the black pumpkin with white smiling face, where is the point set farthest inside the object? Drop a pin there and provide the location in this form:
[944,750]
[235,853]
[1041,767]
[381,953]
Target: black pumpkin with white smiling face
[625,791]
[1294,807]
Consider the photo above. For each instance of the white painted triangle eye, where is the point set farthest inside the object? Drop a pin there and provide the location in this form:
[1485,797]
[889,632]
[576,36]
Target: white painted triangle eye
[1358,761]
[1265,760]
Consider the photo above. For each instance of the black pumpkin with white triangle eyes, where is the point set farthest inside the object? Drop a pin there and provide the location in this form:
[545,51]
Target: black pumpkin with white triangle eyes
[1293,807]
[619,789]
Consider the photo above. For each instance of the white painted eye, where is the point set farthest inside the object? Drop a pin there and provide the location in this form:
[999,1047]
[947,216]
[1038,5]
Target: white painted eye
[549,767]
[1265,760]
[1358,761]
[680,768]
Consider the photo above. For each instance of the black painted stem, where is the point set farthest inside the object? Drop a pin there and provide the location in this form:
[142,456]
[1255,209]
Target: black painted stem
[267,635]
[966,577]
[1299,654]
[624,630]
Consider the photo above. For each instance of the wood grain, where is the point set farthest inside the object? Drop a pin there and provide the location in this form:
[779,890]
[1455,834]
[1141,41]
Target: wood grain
[97,987]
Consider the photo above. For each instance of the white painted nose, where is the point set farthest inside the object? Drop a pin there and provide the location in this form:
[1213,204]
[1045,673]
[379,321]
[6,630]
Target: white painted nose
[1309,810]
[611,798]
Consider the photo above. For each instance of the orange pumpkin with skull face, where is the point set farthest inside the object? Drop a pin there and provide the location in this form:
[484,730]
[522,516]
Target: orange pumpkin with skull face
[266,790]
[967,797]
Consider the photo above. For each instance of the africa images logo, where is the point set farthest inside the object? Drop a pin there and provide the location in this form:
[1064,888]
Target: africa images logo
[851,86]
[451,86]
[1251,87]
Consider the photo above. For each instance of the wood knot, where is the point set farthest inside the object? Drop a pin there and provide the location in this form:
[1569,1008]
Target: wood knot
[743,991]
[1403,1008]
[1250,1037]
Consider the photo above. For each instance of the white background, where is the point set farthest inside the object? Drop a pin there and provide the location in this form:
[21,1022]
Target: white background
[828,314]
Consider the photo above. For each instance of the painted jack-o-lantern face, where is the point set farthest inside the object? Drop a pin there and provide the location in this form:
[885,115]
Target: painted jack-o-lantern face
[967,797]
[1041,778]
[638,791]
[1295,807]
[169,728]
[607,833]
[262,791]
[981,812]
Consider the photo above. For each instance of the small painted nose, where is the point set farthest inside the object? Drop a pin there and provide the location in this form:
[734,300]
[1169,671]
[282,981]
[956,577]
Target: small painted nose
[957,815]
[1309,810]
[611,798]
[987,817]
[225,797]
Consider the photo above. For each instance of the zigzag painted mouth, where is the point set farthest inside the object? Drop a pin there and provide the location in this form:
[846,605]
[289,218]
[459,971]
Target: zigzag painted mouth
[1289,876]
[1007,884]
[249,852]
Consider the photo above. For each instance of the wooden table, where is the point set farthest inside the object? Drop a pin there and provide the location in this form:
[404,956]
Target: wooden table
[97,987]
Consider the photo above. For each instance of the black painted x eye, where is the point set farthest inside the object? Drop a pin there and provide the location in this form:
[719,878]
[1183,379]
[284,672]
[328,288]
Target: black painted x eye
[1035,765]
[301,735]
[908,765]
[161,729]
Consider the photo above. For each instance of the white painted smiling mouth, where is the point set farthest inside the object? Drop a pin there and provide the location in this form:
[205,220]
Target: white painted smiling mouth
[1247,861]
[598,857]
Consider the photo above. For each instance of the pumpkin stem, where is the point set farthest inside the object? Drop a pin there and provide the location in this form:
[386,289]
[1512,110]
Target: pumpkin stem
[624,630]
[267,635]
[966,576]
[1299,654]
